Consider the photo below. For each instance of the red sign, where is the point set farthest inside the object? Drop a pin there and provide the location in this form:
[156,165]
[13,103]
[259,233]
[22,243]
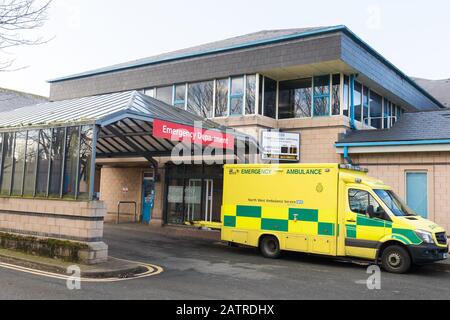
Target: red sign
[178,132]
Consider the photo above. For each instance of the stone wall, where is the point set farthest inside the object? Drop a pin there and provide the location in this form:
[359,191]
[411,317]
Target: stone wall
[53,219]
[391,168]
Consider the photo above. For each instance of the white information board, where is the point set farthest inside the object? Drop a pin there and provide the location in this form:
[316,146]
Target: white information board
[280,146]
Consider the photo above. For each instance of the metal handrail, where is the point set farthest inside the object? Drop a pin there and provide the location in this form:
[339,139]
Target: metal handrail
[126,202]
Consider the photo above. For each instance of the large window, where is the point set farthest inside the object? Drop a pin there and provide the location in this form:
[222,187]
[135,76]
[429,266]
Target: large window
[45,137]
[8,152]
[250,96]
[321,103]
[237,96]
[222,90]
[31,163]
[295,99]
[71,165]
[19,162]
[180,96]
[270,98]
[376,107]
[85,161]
[358,101]
[57,154]
[201,98]
[165,94]
[47,162]
[346,97]
[365,106]
[336,94]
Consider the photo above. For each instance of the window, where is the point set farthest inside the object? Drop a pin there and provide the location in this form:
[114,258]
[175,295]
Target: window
[57,153]
[358,101]
[394,203]
[376,110]
[200,98]
[346,102]
[222,89]
[150,92]
[180,96]
[165,94]
[250,96]
[295,99]
[360,201]
[43,161]
[336,95]
[417,192]
[19,162]
[321,96]
[30,163]
[237,96]
[270,98]
[71,165]
[85,161]
[365,106]
[261,94]
[386,119]
[8,151]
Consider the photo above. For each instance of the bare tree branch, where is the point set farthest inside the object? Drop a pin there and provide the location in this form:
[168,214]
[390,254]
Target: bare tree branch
[18,18]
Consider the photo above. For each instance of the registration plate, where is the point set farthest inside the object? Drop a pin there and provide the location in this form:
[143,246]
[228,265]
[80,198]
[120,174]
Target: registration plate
[445,256]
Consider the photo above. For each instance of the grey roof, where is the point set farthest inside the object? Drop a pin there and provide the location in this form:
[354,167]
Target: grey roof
[11,99]
[252,39]
[431,125]
[99,109]
[440,89]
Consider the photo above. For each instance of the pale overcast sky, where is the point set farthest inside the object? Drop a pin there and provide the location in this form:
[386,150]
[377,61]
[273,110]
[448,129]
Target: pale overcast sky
[412,34]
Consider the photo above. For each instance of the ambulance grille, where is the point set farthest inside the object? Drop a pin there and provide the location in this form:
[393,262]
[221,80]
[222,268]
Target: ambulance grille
[441,237]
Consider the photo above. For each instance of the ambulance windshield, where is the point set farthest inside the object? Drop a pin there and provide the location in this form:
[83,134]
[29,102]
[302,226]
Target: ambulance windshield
[394,203]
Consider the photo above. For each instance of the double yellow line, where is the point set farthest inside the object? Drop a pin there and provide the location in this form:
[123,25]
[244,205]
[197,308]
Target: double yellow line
[152,270]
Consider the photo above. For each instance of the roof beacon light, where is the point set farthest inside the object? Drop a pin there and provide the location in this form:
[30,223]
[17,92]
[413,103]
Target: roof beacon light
[353,168]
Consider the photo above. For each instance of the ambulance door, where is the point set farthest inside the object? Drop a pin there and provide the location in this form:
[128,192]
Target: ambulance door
[364,224]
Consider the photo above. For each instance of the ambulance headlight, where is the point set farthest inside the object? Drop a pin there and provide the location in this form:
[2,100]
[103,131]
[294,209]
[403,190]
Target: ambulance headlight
[426,236]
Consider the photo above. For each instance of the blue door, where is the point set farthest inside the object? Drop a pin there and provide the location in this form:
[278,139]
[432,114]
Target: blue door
[148,200]
[417,192]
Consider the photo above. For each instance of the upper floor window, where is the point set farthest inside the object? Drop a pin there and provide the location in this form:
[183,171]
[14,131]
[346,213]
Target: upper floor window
[201,98]
[270,98]
[222,91]
[165,94]
[376,107]
[321,102]
[250,94]
[295,98]
[237,96]
[179,99]
[336,94]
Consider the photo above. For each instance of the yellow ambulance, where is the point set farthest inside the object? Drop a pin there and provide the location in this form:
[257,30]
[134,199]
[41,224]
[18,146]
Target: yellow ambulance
[326,209]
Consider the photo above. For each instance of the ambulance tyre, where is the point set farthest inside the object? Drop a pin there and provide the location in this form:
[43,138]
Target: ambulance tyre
[396,259]
[270,247]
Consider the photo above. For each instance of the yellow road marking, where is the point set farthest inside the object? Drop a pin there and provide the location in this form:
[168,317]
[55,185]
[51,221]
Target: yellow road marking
[152,270]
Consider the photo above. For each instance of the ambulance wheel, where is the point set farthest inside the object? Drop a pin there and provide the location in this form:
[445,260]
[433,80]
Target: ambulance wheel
[270,247]
[396,259]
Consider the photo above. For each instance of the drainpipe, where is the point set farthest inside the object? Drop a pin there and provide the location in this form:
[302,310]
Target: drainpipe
[352,102]
[347,156]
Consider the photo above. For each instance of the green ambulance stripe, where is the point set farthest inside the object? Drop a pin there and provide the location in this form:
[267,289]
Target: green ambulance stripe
[229,222]
[367,222]
[308,215]
[326,229]
[248,211]
[351,231]
[275,225]
[408,234]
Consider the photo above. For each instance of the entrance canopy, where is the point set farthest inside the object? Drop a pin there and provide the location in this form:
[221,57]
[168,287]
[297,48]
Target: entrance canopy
[54,145]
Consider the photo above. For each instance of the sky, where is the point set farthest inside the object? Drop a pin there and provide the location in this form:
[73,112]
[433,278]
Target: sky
[88,34]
